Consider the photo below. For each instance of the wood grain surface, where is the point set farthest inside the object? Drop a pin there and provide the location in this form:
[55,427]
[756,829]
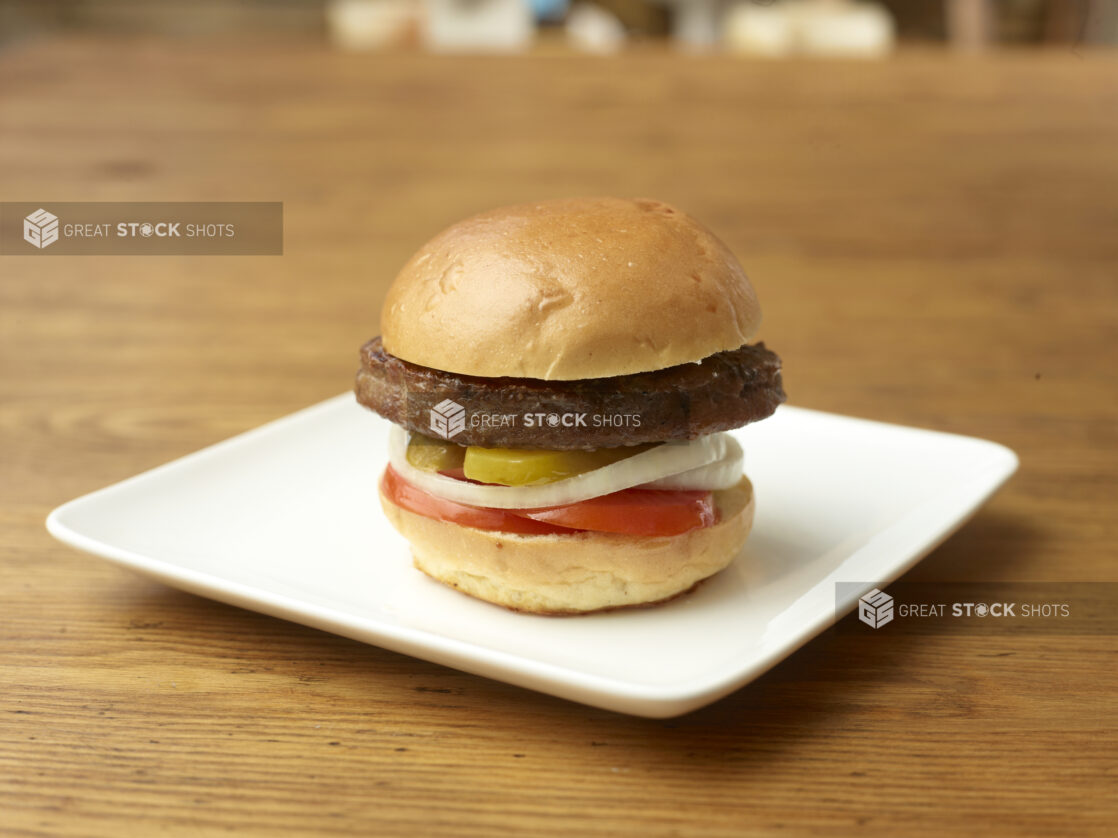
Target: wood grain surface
[934,241]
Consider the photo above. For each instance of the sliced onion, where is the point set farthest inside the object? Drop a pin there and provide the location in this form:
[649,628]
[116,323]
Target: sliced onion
[721,474]
[646,467]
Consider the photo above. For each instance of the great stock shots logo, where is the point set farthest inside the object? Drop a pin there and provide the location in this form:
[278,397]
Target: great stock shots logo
[448,418]
[40,228]
[875,609]
[149,228]
[1003,607]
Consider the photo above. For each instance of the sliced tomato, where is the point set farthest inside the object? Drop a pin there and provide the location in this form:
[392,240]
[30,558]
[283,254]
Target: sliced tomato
[414,499]
[647,512]
[633,512]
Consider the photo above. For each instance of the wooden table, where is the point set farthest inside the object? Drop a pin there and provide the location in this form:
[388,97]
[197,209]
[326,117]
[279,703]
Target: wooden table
[934,242]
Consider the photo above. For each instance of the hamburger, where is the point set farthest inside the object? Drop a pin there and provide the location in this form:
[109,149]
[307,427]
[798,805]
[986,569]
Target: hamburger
[560,377]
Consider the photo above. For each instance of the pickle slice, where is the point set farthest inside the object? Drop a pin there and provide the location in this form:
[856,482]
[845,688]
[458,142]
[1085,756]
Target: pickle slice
[532,466]
[430,454]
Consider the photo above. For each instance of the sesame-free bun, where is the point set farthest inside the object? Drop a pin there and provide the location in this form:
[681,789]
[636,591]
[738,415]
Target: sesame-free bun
[569,289]
[577,573]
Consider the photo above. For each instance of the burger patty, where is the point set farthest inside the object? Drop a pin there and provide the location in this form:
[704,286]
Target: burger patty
[723,391]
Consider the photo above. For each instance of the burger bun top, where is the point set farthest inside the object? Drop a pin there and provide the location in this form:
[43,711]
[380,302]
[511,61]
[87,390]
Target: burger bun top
[569,289]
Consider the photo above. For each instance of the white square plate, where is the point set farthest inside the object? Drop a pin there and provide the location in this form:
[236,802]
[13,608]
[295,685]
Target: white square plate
[285,520]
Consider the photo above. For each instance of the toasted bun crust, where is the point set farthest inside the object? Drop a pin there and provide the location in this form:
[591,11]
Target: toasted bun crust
[569,289]
[577,573]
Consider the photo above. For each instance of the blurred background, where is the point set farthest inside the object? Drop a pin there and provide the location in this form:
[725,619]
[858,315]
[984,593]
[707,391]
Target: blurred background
[773,28]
